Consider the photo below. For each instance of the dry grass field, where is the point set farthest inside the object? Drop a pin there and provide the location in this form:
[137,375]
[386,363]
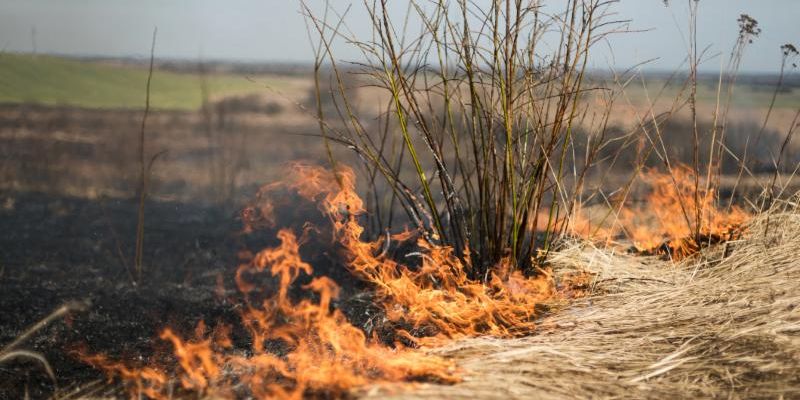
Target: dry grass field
[434,221]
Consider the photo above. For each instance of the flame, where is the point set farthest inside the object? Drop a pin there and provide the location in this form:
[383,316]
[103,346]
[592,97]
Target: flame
[306,346]
[436,299]
[147,381]
[324,352]
[675,219]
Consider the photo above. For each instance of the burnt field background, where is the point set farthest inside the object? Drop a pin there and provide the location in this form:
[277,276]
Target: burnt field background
[68,195]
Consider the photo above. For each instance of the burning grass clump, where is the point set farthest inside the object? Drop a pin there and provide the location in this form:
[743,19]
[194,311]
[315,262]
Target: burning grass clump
[306,346]
[475,137]
[675,220]
[687,218]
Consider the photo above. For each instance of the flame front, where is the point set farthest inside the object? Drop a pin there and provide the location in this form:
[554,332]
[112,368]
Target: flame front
[306,346]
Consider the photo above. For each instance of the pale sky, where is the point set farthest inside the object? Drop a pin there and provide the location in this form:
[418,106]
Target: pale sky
[274,30]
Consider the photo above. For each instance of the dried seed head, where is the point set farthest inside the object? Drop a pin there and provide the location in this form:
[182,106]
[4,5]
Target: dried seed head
[748,28]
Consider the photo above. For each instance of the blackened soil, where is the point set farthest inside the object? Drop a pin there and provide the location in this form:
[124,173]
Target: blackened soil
[56,250]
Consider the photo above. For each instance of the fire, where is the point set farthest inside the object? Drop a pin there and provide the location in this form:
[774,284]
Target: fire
[436,299]
[147,381]
[324,352]
[675,219]
[305,345]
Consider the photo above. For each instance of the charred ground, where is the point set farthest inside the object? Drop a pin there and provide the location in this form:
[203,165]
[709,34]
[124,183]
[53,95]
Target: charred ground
[58,250]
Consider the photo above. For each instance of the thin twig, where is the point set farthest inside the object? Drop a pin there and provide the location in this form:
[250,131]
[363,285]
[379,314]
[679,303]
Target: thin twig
[137,261]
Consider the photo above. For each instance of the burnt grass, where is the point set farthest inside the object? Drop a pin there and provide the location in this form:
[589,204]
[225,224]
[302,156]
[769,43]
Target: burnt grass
[58,249]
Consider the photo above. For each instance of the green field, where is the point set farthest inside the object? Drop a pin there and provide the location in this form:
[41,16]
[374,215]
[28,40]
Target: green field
[745,95]
[51,80]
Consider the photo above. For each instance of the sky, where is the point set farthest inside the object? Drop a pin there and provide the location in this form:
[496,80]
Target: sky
[274,30]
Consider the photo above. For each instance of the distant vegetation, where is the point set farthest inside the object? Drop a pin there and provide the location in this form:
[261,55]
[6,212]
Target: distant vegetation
[109,83]
[752,91]
[49,80]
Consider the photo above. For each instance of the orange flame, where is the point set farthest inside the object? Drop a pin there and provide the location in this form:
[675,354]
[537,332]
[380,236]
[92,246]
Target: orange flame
[146,381]
[675,219]
[306,346]
[436,299]
[324,352]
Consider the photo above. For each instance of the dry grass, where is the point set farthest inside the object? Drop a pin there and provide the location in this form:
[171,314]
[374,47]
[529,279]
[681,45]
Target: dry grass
[717,326]
[12,350]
